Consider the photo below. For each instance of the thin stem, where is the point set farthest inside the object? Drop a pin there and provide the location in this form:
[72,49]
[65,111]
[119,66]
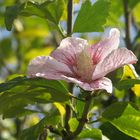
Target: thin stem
[53,130]
[18,127]
[67,117]
[77,98]
[97,120]
[43,135]
[69,31]
[69,20]
[61,31]
[138,33]
[83,119]
[127,24]
[127,33]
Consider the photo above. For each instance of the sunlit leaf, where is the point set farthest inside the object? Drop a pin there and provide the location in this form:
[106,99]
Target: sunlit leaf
[38,1]
[136,12]
[119,93]
[93,133]
[136,89]
[115,12]
[79,108]
[124,117]
[113,133]
[73,123]
[91,18]
[129,72]
[61,108]
[32,120]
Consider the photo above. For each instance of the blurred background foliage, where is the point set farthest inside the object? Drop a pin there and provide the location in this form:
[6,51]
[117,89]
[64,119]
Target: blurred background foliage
[36,30]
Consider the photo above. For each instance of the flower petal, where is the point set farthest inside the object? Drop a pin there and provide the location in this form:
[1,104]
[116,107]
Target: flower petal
[47,67]
[101,49]
[103,83]
[114,60]
[69,49]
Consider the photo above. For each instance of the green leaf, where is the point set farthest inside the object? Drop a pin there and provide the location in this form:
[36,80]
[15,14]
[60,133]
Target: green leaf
[33,132]
[136,14]
[31,9]
[37,1]
[93,133]
[127,84]
[126,120]
[113,133]
[73,123]
[46,10]
[120,94]
[91,18]
[53,10]
[79,106]
[133,3]
[19,92]
[60,108]
[34,82]
[11,13]
[115,110]
[115,12]
[6,50]
[10,113]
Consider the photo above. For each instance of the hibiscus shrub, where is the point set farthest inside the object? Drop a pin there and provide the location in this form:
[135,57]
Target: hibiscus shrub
[82,90]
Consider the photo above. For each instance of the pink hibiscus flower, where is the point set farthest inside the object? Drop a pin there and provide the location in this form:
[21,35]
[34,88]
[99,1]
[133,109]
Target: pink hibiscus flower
[86,65]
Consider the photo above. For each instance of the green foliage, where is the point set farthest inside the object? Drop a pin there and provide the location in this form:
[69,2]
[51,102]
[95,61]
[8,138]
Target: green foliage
[34,33]
[46,10]
[126,120]
[133,3]
[5,47]
[136,11]
[33,132]
[115,12]
[115,110]
[94,133]
[73,123]
[127,84]
[79,108]
[11,13]
[21,91]
[113,133]
[91,18]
